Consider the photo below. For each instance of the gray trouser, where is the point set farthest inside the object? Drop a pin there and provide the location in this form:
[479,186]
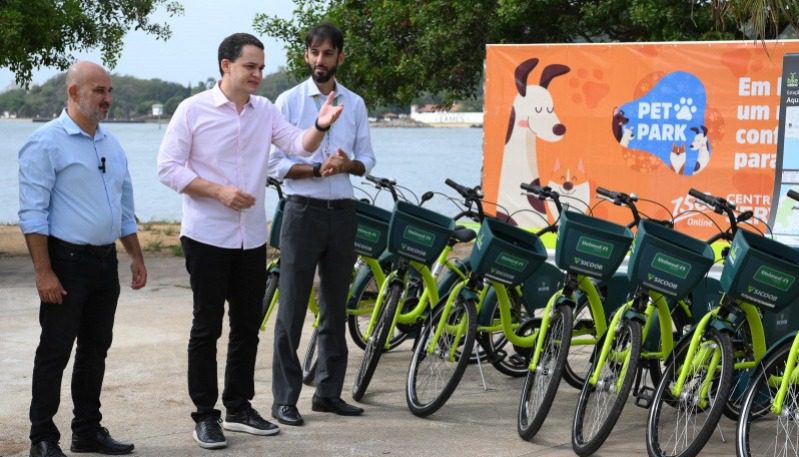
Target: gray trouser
[312,237]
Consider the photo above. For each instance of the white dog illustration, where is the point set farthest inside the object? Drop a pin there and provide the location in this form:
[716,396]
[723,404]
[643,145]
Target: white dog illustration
[532,117]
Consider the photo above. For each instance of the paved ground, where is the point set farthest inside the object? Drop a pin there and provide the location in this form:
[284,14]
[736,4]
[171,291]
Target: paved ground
[145,398]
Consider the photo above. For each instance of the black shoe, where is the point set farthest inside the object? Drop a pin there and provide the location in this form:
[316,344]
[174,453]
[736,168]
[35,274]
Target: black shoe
[101,443]
[334,405]
[46,449]
[287,414]
[249,421]
[208,433]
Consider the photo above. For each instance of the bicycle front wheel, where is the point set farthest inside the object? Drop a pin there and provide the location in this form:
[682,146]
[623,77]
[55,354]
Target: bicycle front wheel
[435,371]
[761,432]
[310,359]
[581,356]
[679,426]
[600,405]
[376,343]
[270,299]
[364,293]
[541,385]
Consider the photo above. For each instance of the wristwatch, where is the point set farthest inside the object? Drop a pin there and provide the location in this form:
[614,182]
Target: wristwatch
[317,168]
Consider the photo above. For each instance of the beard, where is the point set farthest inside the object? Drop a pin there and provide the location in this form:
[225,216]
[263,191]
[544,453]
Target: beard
[324,75]
[93,112]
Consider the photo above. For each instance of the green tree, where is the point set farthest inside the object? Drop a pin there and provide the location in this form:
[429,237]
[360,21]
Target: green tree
[276,83]
[399,49]
[44,33]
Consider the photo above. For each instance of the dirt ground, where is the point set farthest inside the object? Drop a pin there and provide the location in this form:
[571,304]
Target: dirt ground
[156,238]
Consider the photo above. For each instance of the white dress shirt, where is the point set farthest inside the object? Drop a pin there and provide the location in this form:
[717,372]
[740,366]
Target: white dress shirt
[209,139]
[300,106]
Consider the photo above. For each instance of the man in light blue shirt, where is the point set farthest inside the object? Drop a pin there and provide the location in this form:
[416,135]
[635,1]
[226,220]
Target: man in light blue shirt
[318,229]
[76,200]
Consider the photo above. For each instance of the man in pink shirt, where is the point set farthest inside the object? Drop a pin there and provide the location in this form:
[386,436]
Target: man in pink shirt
[215,153]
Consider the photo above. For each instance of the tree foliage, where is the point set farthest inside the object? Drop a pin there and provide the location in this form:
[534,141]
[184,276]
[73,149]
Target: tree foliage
[399,49]
[46,33]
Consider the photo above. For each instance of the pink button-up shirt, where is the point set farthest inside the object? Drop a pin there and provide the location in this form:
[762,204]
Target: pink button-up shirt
[208,138]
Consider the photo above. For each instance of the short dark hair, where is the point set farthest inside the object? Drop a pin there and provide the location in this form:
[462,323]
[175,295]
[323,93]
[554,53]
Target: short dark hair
[230,48]
[324,32]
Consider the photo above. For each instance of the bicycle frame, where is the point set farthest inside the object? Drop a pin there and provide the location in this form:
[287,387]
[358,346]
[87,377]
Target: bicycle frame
[587,287]
[430,293]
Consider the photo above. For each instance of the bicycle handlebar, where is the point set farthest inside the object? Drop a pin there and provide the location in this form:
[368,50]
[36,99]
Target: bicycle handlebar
[719,206]
[793,194]
[277,184]
[544,193]
[628,200]
[384,183]
[470,194]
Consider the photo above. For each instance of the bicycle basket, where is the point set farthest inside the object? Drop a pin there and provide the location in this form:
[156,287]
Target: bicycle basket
[668,261]
[277,220]
[418,233]
[372,233]
[761,271]
[590,246]
[505,253]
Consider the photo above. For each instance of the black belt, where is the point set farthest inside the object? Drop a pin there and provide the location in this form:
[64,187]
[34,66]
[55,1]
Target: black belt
[319,203]
[97,251]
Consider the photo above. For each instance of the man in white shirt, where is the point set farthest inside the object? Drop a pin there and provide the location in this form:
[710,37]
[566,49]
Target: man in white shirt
[318,229]
[215,153]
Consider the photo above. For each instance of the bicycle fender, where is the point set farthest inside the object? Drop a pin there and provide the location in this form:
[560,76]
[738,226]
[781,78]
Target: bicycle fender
[722,326]
[634,315]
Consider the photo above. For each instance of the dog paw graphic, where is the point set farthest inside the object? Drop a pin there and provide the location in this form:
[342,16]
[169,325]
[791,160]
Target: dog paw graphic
[589,87]
[685,109]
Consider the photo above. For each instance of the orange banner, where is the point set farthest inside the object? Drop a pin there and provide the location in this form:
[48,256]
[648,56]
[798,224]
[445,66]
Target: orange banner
[654,119]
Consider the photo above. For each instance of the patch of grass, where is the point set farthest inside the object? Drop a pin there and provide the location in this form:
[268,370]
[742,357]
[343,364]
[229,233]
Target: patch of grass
[177,250]
[170,231]
[154,246]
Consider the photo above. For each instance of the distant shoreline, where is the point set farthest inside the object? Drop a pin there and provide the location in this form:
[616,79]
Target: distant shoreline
[394,123]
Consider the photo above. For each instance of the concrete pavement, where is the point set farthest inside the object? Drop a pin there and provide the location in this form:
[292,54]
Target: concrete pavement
[145,399]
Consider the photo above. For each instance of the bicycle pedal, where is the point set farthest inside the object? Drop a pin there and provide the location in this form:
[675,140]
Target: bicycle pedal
[645,396]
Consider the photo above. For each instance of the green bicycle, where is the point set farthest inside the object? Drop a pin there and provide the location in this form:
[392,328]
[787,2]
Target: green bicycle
[696,385]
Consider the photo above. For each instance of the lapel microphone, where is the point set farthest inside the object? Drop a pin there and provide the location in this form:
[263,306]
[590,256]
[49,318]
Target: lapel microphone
[102,164]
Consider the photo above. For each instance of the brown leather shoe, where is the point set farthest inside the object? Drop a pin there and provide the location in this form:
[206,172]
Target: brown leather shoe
[335,406]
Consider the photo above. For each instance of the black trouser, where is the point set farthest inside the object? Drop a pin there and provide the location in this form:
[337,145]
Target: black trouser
[312,237]
[219,274]
[89,275]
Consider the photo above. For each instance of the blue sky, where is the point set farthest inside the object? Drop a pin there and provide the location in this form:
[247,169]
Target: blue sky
[190,55]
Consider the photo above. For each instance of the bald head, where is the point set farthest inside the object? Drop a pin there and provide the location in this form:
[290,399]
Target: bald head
[88,94]
[79,71]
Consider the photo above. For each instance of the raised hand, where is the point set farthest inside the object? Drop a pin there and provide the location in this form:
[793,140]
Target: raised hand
[328,113]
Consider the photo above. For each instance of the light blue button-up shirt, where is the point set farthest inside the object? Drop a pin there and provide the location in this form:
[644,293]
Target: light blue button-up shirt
[62,191]
[300,106]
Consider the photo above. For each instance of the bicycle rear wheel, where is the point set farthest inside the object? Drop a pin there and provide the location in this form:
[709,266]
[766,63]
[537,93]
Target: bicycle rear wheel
[761,432]
[376,343]
[599,406]
[433,376]
[541,385]
[680,426]
[508,358]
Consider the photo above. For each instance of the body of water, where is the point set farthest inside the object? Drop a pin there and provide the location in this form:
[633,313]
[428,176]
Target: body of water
[418,158]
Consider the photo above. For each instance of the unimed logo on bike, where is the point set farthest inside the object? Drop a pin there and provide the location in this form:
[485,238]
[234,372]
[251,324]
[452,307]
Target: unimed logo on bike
[670,265]
[774,278]
[507,260]
[419,236]
[368,234]
[592,246]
